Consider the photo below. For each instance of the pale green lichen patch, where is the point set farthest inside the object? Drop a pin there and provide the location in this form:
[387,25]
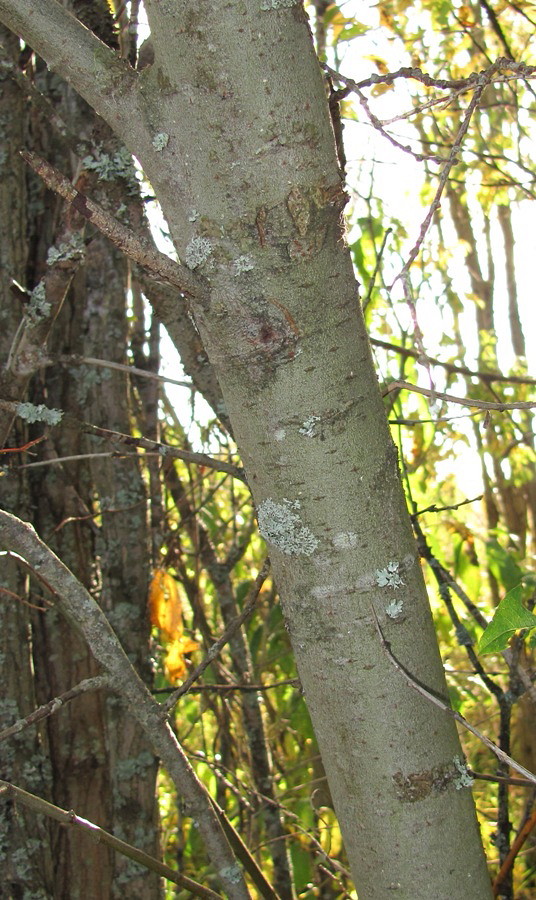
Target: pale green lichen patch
[389,577]
[160,141]
[40,413]
[278,4]
[309,427]
[71,249]
[243,264]
[394,609]
[197,252]
[280,525]
[232,874]
[464,777]
[109,166]
[38,307]
[344,540]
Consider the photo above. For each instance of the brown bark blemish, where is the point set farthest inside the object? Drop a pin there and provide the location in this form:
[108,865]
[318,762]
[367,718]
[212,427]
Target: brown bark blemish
[419,785]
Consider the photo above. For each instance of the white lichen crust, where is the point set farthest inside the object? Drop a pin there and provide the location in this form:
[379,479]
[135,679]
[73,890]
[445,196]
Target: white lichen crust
[280,525]
[309,427]
[197,252]
[160,141]
[243,264]
[464,777]
[389,577]
[344,540]
[278,4]
[40,413]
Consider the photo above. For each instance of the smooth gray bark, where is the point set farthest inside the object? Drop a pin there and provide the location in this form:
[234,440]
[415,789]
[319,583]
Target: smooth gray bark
[234,134]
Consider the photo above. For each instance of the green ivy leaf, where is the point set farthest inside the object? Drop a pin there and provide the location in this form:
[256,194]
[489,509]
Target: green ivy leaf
[509,617]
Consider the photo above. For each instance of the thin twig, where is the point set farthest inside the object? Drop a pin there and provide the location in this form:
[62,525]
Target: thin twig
[164,450]
[501,779]
[461,401]
[421,107]
[372,281]
[226,688]
[428,695]
[110,454]
[509,860]
[451,367]
[443,178]
[48,709]
[225,637]
[495,72]
[437,509]
[134,247]
[376,123]
[74,360]
[69,818]
[46,604]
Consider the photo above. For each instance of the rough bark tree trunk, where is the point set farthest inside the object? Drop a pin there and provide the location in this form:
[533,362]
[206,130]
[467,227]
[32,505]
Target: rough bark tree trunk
[25,853]
[94,752]
[230,124]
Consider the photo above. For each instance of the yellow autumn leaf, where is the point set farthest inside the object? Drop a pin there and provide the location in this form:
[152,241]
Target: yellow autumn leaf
[379,62]
[174,662]
[165,607]
[330,835]
[379,89]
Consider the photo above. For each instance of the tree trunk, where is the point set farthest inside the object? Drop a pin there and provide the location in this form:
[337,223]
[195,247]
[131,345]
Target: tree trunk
[95,757]
[26,860]
[230,124]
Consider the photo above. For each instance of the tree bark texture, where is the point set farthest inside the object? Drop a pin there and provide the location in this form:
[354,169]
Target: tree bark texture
[25,851]
[96,752]
[230,124]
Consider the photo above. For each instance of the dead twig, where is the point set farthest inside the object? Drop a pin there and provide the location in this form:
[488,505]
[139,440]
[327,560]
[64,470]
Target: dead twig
[70,819]
[48,709]
[132,246]
[218,645]
[428,695]
[461,401]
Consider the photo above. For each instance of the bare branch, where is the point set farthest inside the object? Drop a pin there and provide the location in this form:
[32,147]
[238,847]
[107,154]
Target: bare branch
[136,248]
[451,367]
[74,360]
[461,401]
[117,437]
[443,178]
[99,75]
[94,832]
[85,615]
[433,698]
[233,686]
[48,709]
[377,124]
[218,645]
[500,67]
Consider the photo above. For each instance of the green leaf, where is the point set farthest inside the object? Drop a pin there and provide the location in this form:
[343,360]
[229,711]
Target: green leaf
[503,565]
[509,617]
[353,31]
